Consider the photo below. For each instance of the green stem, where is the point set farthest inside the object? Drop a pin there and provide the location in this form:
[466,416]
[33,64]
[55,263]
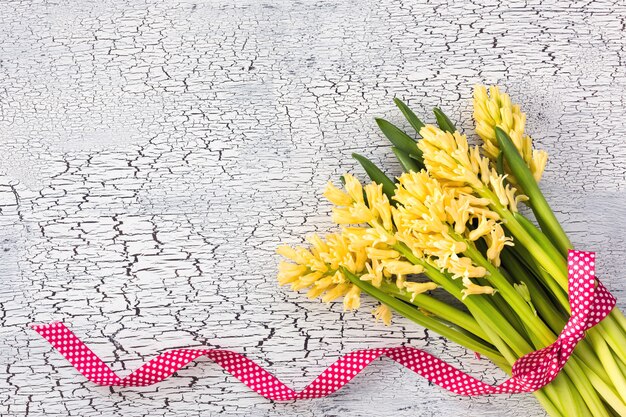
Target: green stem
[586,389]
[613,334]
[568,394]
[543,397]
[606,368]
[423,320]
[609,363]
[556,292]
[479,306]
[553,316]
[621,365]
[612,331]
[537,328]
[558,392]
[548,396]
[510,315]
[608,394]
[439,308]
[546,218]
[554,265]
[515,300]
[543,242]
[544,214]
[619,318]
[497,341]
[610,327]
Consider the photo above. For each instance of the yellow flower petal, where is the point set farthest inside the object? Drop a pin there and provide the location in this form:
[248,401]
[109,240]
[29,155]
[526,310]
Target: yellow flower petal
[402,267]
[288,272]
[337,196]
[336,292]
[375,253]
[352,300]
[416,288]
[288,252]
[474,289]
[496,110]
[382,312]
[354,188]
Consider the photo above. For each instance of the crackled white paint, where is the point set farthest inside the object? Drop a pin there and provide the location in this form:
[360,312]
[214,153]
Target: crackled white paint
[153,154]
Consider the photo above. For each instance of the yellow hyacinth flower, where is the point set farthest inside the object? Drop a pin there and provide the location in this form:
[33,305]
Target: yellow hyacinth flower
[378,203]
[361,237]
[319,269]
[496,240]
[434,219]
[382,312]
[449,158]
[352,299]
[396,267]
[351,207]
[337,196]
[353,188]
[416,288]
[337,291]
[374,273]
[356,214]
[494,109]
[424,223]
[380,254]
[341,254]
[288,272]
[431,217]
[475,289]
[463,267]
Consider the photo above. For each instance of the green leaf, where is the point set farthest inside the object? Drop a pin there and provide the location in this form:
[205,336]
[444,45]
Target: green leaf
[418,156]
[397,137]
[376,175]
[408,163]
[442,120]
[500,164]
[410,116]
[543,213]
[343,182]
[434,323]
[516,163]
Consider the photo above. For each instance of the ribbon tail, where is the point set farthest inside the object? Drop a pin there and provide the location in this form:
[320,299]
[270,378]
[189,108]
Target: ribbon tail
[590,303]
[78,354]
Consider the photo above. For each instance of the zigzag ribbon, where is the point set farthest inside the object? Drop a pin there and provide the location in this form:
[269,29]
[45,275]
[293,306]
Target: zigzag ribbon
[590,302]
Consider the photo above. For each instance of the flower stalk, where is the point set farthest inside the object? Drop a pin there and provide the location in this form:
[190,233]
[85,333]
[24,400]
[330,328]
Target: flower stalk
[544,214]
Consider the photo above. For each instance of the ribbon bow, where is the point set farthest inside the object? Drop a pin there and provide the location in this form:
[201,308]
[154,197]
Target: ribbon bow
[590,302]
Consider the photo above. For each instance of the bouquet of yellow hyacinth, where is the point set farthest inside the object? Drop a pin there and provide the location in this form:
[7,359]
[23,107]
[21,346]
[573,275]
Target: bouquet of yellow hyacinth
[450,223]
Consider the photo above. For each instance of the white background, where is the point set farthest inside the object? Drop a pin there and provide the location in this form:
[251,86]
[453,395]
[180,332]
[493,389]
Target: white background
[154,154]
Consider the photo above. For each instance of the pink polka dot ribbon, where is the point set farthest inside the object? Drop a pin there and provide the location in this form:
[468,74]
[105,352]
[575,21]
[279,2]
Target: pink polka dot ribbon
[590,302]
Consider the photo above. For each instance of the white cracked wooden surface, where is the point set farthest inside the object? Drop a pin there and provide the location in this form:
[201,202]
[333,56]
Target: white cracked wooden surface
[153,154]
